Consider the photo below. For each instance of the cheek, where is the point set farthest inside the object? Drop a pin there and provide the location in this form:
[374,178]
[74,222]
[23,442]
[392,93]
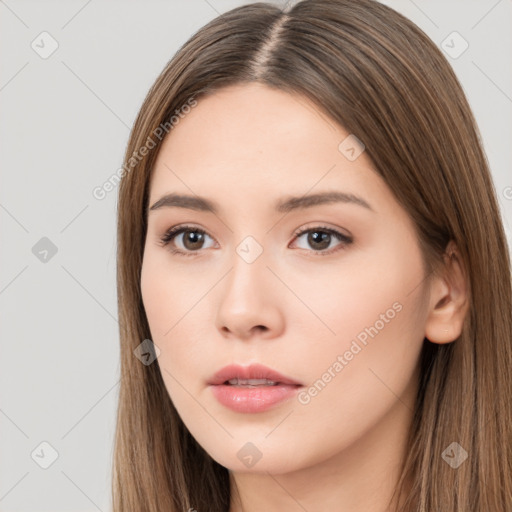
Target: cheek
[172,305]
[358,372]
[166,294]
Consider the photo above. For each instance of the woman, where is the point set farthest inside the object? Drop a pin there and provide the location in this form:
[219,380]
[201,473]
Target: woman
[334,332]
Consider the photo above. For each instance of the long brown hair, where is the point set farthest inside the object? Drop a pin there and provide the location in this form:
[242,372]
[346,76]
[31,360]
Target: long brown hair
[380,77]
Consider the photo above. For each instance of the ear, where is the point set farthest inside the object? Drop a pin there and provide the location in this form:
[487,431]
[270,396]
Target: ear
[449,301]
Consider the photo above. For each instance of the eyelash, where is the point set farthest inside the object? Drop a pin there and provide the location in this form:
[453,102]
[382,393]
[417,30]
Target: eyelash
[177,230]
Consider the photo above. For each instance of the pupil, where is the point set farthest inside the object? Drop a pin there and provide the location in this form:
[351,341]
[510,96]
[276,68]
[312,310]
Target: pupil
[323,239]
[193,237]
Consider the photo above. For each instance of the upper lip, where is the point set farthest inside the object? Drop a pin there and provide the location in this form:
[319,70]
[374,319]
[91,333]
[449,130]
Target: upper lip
[253,371]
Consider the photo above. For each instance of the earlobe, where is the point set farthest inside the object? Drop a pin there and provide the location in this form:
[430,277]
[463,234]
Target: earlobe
[449,300]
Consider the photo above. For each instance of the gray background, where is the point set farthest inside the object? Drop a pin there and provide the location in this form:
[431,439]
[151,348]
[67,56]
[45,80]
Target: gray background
[64,125]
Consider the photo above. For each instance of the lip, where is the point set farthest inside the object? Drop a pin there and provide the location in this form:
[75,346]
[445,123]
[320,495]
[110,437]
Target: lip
[253,371]
[255,399]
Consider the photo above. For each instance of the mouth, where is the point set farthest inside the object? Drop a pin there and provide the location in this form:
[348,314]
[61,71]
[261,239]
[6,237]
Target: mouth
[252,389]
[250,383]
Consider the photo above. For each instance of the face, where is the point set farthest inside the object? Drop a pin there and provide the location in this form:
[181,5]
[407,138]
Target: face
[330,294]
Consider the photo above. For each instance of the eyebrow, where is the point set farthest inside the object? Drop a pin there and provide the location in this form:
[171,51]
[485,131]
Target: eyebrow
[283,205]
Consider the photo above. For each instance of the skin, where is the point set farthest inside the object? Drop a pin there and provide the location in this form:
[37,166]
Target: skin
[245,147]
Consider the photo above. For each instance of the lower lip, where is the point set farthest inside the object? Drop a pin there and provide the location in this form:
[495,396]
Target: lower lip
[257,399]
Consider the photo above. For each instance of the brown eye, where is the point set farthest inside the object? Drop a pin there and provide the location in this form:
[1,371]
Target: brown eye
[320,238]
[192,241]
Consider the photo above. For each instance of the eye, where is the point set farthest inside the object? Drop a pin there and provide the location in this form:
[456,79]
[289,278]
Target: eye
[193,240]
[320,238]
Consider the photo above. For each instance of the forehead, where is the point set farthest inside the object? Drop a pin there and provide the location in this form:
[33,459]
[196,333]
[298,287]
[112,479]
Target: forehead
[245,121]
[254,143]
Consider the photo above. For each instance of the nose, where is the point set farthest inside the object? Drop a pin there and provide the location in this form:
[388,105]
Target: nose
[249,302]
